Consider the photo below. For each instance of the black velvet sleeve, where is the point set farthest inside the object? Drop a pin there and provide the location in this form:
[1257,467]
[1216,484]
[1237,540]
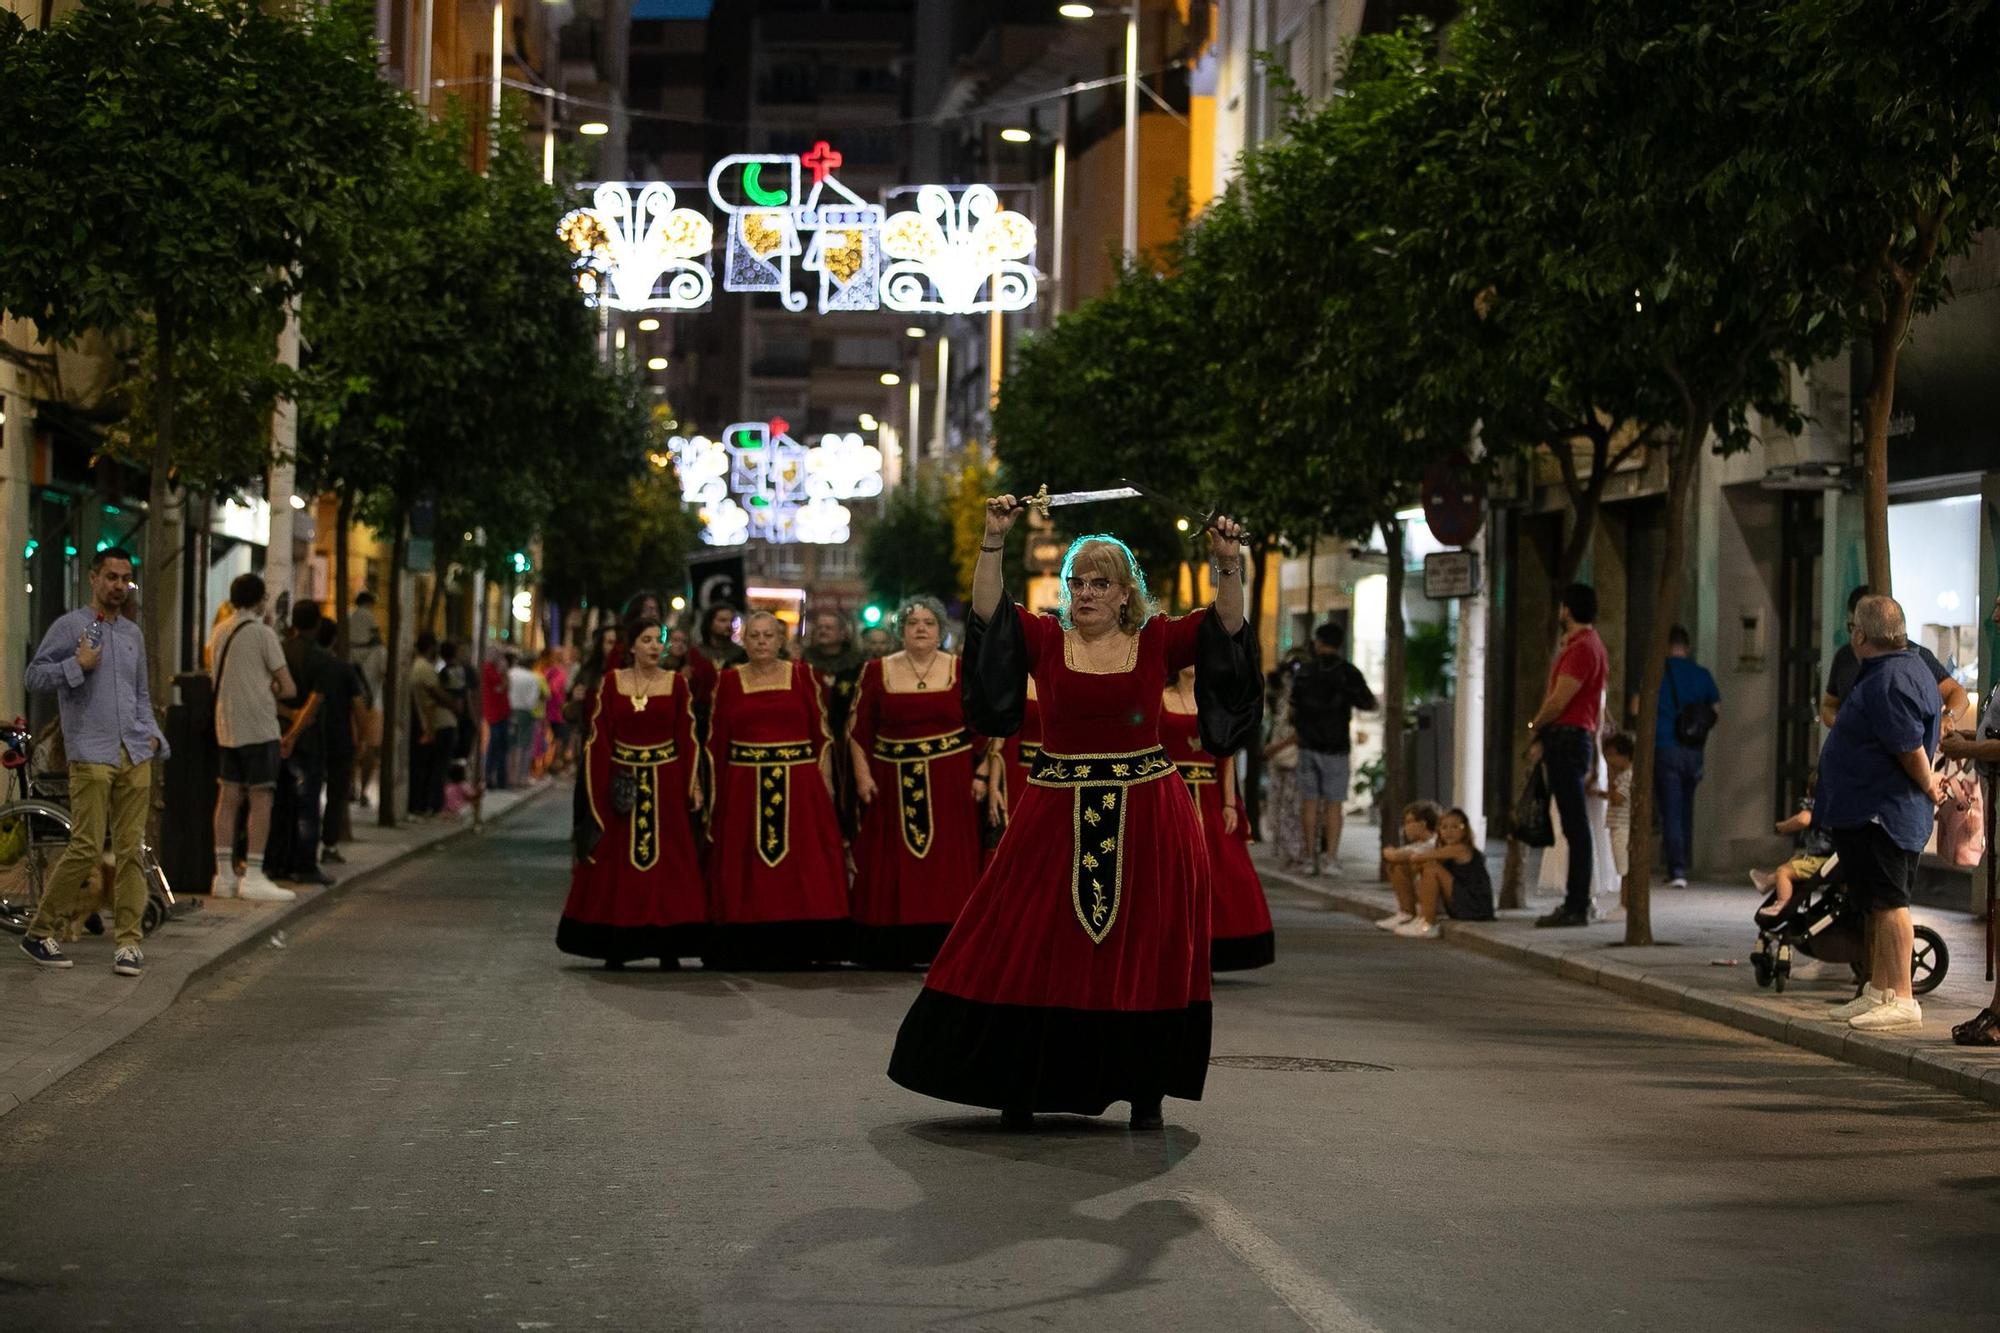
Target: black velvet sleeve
[1228,686]
[993,680]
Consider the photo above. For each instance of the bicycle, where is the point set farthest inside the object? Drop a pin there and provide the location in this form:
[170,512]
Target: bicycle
[34,832]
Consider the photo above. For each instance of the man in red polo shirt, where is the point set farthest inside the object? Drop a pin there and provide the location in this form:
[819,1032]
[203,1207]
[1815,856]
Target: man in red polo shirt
[1563,736]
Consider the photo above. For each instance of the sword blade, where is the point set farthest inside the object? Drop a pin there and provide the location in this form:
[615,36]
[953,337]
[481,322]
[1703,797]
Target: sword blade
[1094,497]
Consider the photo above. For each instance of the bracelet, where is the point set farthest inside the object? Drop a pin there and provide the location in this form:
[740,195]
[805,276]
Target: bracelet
[1222,570]
[993,550]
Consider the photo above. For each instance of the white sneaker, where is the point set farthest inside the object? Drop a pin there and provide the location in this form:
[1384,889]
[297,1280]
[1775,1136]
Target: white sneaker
[1612,914]
[257,887]
[1870,998]
[1893,1015]
[1762,880]
[1416,928]
[1393,921]
[1677,882]
[225,880]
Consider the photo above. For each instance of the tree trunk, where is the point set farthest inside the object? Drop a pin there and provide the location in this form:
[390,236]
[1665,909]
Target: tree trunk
[390,767]
[1877,408]
[161,557]
[1683,461]
[341,595]
[433,603]
[1395,777]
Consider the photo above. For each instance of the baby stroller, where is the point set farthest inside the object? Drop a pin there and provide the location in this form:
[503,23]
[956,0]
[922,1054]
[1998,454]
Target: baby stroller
[1821,922]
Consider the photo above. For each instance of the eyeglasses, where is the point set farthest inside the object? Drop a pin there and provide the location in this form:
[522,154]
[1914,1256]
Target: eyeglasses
[1096,587]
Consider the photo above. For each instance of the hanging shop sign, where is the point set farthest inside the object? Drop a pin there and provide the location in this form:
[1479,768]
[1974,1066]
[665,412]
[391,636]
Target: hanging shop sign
[758,481]
[793,229]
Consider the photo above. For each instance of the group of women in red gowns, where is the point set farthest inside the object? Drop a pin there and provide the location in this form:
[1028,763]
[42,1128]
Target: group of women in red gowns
[1078,974]
[764,881]
[1240,919]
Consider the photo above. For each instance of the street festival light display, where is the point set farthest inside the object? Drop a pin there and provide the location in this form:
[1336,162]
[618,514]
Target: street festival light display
[787,492]
[958,252]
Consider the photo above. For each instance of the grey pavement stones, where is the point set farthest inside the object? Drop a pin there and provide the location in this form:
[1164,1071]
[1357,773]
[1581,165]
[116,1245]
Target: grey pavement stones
[57,1020]
[1701,967]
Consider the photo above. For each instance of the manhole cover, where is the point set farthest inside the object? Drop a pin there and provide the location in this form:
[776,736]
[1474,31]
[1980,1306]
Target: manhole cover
[1293,1064]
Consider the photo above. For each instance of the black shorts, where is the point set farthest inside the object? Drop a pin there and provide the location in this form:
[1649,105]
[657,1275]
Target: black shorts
[1878,873]
[251,765]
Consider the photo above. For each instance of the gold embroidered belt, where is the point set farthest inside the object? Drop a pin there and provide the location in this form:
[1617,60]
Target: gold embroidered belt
[645,762]
[1098,783]
[1196,770]
[912,760]
[774,763]
[1030,752]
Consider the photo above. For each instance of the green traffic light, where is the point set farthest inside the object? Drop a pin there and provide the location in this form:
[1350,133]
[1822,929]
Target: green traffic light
[871,615]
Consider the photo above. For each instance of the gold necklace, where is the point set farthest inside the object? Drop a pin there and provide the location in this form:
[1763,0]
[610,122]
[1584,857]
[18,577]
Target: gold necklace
[639,691]
[923,680]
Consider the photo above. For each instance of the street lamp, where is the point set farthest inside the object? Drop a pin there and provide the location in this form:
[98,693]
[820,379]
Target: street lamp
[593,128]
[891,379]
[1130,231]
[656,363]
[914,331]
[1015,135]
[649,325]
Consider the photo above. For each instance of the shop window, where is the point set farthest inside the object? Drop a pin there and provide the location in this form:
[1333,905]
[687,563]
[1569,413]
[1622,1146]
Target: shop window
[1934,561]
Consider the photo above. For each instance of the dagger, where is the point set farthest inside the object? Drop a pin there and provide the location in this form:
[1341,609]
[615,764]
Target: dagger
[1042,501]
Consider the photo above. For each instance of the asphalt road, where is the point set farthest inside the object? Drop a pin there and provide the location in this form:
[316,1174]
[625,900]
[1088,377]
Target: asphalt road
[418,1115]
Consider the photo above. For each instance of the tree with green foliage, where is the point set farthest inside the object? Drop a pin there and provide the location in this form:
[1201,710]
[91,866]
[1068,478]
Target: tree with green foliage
[1647,173]
[1904,105]
[171,167]
[908,549]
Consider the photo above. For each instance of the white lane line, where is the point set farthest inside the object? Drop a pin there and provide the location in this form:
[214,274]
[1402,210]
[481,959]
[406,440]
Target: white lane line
[1313,1301]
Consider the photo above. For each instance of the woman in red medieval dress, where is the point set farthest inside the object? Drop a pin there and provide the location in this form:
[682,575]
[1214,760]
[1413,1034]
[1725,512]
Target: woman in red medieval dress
[1240,919]
[916,853]
[1078,973]
[1007,763]
[777,881]
[635,888]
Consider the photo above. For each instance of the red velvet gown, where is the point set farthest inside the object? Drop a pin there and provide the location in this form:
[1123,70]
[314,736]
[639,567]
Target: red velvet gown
[777,881]
[1020,750]
[637,891]
[916,853]
[1078,974]
[1241,920]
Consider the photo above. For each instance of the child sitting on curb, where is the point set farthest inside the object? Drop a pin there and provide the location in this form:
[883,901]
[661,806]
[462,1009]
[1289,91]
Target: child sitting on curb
[1420,826]
[1453,873]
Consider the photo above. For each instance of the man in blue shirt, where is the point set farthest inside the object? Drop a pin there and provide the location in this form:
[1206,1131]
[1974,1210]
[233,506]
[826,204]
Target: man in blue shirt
[1686,688]
[94,659]
[1878,797]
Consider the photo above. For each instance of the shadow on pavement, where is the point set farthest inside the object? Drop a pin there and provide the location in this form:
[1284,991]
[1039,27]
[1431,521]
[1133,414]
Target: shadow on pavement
[985,1192]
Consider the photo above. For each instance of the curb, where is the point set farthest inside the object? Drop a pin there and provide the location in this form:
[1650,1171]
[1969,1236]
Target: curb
[1969,1076]
[98,1035]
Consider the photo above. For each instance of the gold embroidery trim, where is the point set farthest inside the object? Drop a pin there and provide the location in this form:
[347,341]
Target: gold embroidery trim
[1098,786]
[1131,656]
[1196,771]
[774,763]
[911,759]
[645,762]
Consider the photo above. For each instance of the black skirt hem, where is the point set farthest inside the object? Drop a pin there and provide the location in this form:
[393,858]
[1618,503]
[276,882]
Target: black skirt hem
[775,945]
[623,944]
[1017,1057]
[896,946]
[1240,953]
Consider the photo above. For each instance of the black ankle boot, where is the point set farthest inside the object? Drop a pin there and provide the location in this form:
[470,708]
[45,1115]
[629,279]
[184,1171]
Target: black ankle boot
[1146,1115]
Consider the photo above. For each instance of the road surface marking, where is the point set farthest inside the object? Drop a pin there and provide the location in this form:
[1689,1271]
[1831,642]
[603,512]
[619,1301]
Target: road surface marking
[1314,1302]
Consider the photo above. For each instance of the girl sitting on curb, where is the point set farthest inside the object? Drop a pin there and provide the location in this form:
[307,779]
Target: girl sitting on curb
[1420,826]
[1454,873]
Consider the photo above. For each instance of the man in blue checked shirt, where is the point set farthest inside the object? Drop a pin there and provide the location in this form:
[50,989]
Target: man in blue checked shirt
[94,660]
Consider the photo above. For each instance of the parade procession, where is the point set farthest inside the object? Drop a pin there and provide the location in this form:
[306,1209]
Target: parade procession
[1000,666]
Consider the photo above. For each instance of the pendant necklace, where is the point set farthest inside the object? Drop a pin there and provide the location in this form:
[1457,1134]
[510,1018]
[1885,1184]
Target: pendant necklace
[641,694]
[923,680]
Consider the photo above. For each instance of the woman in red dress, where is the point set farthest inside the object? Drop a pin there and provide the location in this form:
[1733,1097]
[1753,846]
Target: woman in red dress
[1077,974]
[1240,922]
[635,890]
[776,879]
[916,853]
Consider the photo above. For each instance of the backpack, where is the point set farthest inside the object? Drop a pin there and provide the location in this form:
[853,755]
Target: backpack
[1692,722]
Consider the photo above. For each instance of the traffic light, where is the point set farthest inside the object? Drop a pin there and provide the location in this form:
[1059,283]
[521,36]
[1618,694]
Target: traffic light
[871,615]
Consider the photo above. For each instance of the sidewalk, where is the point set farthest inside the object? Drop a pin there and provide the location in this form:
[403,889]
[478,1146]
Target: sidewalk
[57,1020]
[1702,966]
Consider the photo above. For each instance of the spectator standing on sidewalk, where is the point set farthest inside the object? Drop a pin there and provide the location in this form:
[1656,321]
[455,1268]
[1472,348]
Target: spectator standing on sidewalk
[1563,737]
[1846,666]
[524,705]
[1325,694]
[340,716]
[499,717]
[293,852]
[94,660]
[370,657]
[455,679]
[1983,1029]
[436,724]
[1878,796]
[1688,699]
[250,675]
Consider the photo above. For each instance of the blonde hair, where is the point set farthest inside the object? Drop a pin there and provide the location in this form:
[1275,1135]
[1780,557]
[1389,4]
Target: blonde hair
[1102,555]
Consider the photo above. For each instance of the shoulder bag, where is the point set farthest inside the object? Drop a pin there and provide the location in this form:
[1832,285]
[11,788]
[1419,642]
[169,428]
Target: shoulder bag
[1692,722]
